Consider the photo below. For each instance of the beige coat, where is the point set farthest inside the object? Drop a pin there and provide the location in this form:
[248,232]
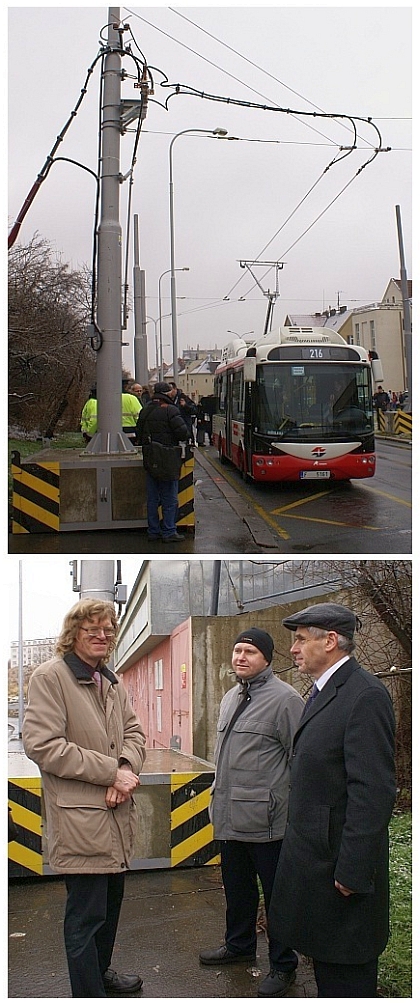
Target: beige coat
[77,735]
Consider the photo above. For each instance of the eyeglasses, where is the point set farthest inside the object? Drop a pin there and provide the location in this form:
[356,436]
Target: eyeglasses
[98,631]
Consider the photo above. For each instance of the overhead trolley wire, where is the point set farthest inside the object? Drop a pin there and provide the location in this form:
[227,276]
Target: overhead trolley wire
[348,121]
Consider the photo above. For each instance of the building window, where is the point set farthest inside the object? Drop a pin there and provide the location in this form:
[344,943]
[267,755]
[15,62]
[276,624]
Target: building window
[357,327]
[372,334]
[159,674]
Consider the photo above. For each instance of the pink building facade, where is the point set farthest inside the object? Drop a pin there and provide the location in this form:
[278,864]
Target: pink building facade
[159,687]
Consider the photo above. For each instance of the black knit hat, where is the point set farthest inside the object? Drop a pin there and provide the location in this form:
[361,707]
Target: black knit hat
[162,388]
[328,616]
[260,639]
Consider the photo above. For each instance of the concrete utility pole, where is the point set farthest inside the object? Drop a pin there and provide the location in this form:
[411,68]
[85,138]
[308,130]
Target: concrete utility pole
[406,306]
[141,371]
[110,438]
[97,580]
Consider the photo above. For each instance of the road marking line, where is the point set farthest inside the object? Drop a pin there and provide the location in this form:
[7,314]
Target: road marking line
[300,501]
[256,508]
[384,494]
[332,522]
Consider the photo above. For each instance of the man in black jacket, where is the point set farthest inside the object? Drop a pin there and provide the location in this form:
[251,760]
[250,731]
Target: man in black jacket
[160,421]
[186,406]
[330,895]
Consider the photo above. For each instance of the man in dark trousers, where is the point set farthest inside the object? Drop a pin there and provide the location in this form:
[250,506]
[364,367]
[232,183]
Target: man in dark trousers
[82,732]
[330,895]
[256,724]
[161,421]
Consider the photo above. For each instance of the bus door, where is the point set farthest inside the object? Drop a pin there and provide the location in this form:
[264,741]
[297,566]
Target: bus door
[248,422]
[229,401]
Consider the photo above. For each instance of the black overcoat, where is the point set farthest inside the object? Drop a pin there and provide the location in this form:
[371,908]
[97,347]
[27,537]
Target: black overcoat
[341,799]
[161,421]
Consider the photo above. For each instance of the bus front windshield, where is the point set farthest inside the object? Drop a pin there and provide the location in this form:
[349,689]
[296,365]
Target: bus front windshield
[298,400]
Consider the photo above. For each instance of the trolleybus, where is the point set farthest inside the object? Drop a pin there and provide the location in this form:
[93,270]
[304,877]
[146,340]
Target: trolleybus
[296,404]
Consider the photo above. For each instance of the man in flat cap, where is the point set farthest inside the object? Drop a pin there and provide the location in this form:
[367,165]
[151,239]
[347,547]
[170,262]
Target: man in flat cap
[330,895]
[255,730]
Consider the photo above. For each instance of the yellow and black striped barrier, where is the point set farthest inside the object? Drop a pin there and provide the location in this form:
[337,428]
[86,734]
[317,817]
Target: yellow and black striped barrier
[175,791]
[25,852]
[36,496]
[403,423]
[192,837]
[381,421]
[186,515]
[44,493]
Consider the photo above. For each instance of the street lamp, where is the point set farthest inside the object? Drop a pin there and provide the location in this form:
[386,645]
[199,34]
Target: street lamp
[153,321]
[171,270]
[207,132]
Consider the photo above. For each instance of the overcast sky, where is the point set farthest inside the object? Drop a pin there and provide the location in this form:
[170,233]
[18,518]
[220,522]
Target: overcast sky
[233,200]
[47,593]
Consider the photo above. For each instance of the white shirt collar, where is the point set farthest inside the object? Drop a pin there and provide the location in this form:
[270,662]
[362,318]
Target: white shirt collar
[329,672]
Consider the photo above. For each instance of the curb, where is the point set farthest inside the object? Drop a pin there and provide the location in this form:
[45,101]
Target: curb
[261,534]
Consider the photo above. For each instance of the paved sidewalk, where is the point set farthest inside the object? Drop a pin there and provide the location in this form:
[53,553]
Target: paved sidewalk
[167,918]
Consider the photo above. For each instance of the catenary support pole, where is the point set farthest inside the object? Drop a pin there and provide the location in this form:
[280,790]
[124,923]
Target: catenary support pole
[406,306]
[140,336]
[110,438]
[97,580]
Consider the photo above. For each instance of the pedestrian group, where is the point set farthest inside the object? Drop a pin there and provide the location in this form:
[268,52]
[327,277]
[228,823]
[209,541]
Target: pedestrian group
[301,800]
[161,424]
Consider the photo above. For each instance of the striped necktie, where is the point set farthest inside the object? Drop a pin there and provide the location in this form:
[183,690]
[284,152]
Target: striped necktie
[312,696]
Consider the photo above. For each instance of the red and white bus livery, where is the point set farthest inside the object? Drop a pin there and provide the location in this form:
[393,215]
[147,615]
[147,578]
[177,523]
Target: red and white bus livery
[296,404]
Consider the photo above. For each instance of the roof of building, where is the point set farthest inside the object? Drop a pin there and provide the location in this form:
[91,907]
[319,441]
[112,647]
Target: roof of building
[205,367]
[409,285]
[329,318]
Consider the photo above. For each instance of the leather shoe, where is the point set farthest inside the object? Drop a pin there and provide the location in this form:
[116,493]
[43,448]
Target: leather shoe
[276,983]
[175,538]
[114,983]
[222,956]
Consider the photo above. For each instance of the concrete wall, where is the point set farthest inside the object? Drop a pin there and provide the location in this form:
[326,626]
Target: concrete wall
[212,643]
[197,671]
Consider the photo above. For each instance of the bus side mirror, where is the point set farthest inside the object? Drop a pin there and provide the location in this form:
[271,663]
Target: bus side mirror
[250,370]
[377,371]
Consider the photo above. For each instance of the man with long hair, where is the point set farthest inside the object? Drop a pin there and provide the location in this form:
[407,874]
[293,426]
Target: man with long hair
[82,732]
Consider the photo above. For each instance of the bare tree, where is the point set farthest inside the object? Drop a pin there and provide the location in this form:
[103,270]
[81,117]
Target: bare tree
[51,364]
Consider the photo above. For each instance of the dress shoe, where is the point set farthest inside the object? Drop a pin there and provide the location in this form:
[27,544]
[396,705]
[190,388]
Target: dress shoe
[222,956]
[114,983]
[175,538]
[276,983]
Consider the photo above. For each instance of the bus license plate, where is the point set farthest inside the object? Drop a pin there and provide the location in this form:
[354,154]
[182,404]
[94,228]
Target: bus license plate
[314,475]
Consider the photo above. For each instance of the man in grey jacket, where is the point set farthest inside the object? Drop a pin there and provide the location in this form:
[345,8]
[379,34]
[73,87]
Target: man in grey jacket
[257,722]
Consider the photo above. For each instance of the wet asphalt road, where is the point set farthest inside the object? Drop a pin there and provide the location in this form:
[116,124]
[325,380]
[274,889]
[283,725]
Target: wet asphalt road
[232,517]
[224,524]
[167,917]
[371,516]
